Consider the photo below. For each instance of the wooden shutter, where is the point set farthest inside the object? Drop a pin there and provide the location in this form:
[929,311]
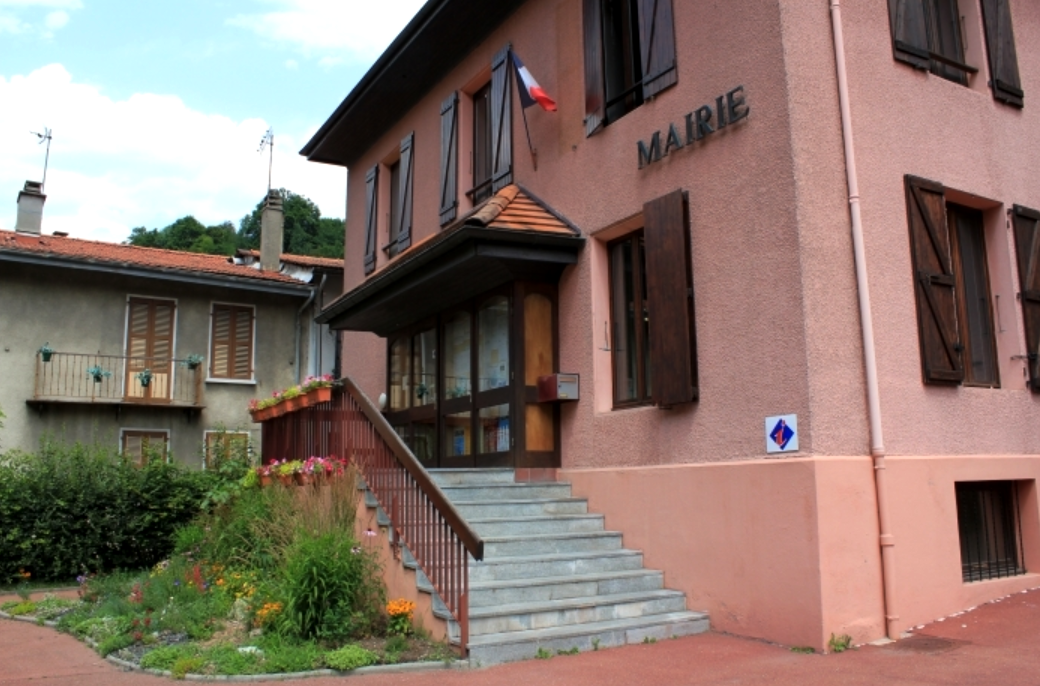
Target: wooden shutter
[1003,60]
[449,158]
[934,282]
[657,46]
[501,122]
[595,89]
[1027,246]
[149,345]
[371,216]
[669,294]
[231,356]
[404,218]
[909,32]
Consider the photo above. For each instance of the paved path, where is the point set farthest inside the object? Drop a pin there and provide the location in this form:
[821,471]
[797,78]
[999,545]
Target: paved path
[995,644]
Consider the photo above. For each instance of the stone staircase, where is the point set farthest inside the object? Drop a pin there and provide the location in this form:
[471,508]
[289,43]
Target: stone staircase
[552,578]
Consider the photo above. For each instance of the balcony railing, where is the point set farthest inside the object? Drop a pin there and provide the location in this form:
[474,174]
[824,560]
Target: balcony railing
[116,380]
[421,516]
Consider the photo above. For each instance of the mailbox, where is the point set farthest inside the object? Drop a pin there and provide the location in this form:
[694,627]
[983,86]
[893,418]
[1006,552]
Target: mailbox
[557,388]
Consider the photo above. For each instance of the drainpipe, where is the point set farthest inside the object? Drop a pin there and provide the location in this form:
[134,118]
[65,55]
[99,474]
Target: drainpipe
[877,443]
[314,292]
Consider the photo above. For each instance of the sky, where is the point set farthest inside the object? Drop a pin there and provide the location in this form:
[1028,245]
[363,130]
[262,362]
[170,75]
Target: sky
[157,108]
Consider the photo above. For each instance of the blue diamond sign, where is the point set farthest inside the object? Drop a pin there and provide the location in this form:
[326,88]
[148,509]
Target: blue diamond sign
[782,434]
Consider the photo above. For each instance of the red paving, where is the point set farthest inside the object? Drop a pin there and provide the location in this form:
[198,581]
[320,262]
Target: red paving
[996,644]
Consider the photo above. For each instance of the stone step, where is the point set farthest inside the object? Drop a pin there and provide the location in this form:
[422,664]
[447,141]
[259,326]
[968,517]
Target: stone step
[489,649]
[562,564]
[544,615]
[548,544]
[470,477]
[513,591]
[503,491]
[546,524]
[482,509]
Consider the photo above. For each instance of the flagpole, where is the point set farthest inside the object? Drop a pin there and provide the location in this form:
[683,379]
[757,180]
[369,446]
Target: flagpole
[523,111]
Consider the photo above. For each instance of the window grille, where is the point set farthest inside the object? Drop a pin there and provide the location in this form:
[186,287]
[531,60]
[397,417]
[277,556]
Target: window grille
[990,530]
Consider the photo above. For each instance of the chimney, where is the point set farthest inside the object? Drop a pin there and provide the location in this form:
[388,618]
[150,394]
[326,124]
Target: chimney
[30,208]
[272,229]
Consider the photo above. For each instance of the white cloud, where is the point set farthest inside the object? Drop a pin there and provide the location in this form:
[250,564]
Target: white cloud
[67,4]
[328,62]
[57,19]
[145,160]
[11,24]
[292,64]
[355,30]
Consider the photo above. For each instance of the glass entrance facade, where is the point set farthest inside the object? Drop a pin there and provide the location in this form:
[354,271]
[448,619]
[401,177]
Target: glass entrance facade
[452,390]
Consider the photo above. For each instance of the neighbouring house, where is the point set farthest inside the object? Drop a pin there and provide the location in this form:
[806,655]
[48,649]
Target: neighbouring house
[763,290]
[212,332]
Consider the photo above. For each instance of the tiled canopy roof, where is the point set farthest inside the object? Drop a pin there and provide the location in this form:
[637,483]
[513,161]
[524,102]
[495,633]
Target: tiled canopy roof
[300,260]
[97,252]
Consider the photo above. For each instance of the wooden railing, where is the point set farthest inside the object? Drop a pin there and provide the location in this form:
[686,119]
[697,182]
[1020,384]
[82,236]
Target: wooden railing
[421,516]
[112,379]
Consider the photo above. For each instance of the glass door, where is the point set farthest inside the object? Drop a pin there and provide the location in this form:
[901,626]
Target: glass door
[493,400]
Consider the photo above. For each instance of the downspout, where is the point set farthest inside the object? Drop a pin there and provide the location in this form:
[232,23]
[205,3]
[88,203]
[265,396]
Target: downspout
[310,299]
[877,443]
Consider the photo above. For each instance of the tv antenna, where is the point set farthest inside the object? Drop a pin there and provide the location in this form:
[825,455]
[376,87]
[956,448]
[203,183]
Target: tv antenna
[44,137]
[268,142]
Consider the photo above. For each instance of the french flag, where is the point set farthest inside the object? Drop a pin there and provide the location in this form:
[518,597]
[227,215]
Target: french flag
[530,91]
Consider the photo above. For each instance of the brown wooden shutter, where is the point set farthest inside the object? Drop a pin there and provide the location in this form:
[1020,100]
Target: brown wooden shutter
[1003,60]
[595,90]
[1027,246]
[371,216]
[934,282]
[501,122]
[657,45]
[221,342]
[139,331]
[909,32]
[669,295]
[449,159]
[404,219]
[149,344]
[243,342]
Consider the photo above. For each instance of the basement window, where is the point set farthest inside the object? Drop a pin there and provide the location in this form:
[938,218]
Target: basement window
[990,530]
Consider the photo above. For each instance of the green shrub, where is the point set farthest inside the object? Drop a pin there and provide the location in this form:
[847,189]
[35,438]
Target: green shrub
[114,643]
[186,665]
[350,657]
[281,655]
[331,588]
[69,509]
[163,658]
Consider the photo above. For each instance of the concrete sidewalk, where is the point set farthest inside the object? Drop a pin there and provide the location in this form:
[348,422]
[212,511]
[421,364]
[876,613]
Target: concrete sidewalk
[996,644]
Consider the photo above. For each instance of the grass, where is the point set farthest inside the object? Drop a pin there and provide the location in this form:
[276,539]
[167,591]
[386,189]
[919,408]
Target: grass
[839,644]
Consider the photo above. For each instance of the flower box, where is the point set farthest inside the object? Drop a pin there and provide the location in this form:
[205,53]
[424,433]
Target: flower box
[320,395]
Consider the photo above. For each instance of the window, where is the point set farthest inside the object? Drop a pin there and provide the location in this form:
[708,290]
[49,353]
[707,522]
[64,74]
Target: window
[955,321]
[629,56]
[221,445]
[150,326]
[927,34]
[481,145]
[990,530]
[973,295]
[231,342]
[140,447]
[653,345]
[631,321]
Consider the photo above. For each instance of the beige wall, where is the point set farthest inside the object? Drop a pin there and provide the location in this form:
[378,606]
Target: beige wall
[85,312]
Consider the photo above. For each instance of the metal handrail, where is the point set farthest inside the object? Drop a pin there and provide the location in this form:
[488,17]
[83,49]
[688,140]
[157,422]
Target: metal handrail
[421,516]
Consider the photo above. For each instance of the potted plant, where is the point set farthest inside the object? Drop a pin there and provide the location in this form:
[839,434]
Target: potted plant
[145,377]
[295,397]
[45,352]
[287,470]
[265,475]
[98,373]
[318,389]
[193,361]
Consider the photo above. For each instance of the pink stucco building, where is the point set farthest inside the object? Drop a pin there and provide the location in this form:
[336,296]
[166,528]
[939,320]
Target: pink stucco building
[738,212]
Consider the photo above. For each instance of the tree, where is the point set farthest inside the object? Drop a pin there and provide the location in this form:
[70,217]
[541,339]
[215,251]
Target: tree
[306,231]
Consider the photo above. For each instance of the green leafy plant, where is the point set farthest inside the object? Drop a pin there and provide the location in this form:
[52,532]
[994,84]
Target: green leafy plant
[350,657]
[164,657]
[649,639]
[193,361]
[186,665]
[98,373]
[804,650]
[573,651]
[543,654]
[595,644]
[839,644]
[45,352]
[145,376]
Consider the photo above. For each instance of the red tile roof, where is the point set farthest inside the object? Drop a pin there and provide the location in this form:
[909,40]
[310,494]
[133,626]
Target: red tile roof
[301,260]
[131,255]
